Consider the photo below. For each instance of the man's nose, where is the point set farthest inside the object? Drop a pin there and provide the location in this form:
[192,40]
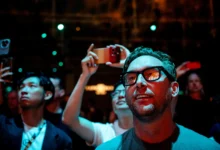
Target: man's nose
[24,90]
[140,80]
[122,93]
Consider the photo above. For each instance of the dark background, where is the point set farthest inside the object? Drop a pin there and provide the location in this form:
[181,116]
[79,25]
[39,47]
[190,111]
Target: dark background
[187,30]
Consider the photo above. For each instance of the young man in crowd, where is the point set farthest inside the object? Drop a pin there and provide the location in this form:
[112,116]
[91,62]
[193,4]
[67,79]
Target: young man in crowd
[31,131]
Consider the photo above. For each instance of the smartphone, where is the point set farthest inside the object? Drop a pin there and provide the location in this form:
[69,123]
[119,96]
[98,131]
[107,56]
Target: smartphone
[193,65]
[110,54]
[4,46]
[7,62]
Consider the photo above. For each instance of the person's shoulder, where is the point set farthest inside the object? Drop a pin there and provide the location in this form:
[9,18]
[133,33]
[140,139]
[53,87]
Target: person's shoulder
[183,98]
[112,144]
[188,132]
[216,127]
[118,141]
[62,139]
[58,131]
[196,138]
[103,126]
[2,116]
[5,119]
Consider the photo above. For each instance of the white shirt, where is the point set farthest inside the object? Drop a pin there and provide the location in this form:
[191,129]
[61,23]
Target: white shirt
[29,131]
[105,132]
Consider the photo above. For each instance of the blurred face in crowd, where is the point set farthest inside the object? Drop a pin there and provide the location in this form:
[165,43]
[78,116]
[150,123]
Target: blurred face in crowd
[59,93]
[118,99]
[148,100]
[194,83]
[13,99]
[31,94]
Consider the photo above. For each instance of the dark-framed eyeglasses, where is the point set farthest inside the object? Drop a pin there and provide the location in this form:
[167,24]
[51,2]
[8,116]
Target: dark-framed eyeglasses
[150,74]
[117,92]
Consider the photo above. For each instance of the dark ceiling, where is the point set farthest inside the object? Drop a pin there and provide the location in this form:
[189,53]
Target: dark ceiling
[187,30]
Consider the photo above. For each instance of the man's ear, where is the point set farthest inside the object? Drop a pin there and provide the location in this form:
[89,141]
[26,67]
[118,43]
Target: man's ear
[174,92]
[174,88]
[48,95]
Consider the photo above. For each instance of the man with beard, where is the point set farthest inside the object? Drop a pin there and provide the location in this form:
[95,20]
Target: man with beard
[31,131]
[150,83]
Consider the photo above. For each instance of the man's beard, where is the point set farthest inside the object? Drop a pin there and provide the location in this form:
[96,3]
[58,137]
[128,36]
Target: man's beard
[153,115]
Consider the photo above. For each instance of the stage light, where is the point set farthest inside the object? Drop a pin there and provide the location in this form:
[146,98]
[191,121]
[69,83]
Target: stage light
[8,89]
[20,70]
[60,63]
[153,27]
[78,28]
[43,35]
[54,52]
[60,26]
[54,69]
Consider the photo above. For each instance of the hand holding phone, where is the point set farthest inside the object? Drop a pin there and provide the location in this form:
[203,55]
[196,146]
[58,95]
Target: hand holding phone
[108,54]
[186,66]
[193,65]
[6,69]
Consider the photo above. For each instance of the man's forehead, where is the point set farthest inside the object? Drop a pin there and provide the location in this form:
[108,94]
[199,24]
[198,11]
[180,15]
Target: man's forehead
[120,87]
[31,80]
[144,61]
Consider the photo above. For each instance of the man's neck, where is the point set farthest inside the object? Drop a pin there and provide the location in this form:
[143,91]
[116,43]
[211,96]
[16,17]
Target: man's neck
[196,96]
[54,107]
[157,131]
[32,117]
[125,120]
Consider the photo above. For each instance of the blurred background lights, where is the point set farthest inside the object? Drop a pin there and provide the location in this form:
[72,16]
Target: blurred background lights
[60,63]
[43,35]
[54,53]
[78,28]
[20,69]
[153,27]
[54,69]
[60,26]
[8,89]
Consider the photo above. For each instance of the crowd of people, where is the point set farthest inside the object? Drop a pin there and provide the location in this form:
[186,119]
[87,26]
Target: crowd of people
[148,110]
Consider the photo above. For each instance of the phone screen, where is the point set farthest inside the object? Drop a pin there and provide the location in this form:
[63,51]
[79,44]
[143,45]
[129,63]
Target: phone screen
[4,46]
[107,55]
[115,54]
[194,65]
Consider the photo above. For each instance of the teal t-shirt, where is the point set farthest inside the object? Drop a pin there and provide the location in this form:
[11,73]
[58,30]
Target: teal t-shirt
[181,139]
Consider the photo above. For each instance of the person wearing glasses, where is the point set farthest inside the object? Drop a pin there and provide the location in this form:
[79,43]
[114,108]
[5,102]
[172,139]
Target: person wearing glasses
[149,78]
[95,133]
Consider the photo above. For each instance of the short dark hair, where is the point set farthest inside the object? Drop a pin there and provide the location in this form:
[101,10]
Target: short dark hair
[61,82]
[117,84]
[168,64]
[44,81]
[59,76]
